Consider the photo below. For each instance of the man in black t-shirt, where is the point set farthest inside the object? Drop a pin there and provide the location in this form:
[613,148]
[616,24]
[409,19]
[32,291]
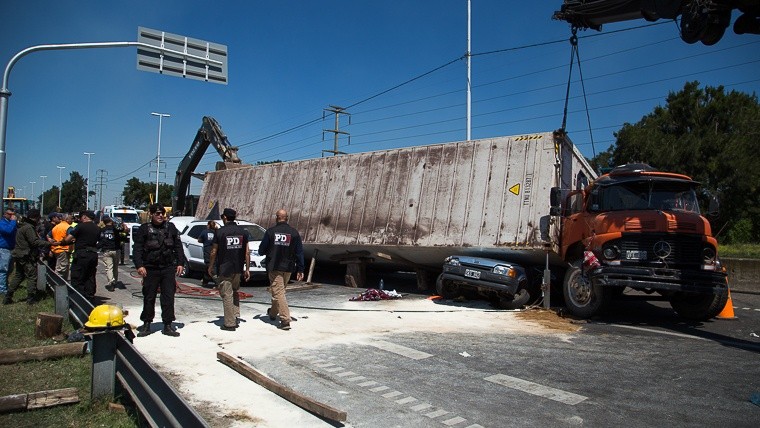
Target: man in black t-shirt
[231,257]
[85,237]
[207,239]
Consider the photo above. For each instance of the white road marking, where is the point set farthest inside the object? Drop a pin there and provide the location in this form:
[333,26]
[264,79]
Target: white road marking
[454,421]
[355,378]
[379,388]
[650,330]
[393,394]
[368,383]
[537,389]
[406,400]
[474,426]
[323,365]
[334,369]
[422,406]
[439,412]
[345,374]
[400,350]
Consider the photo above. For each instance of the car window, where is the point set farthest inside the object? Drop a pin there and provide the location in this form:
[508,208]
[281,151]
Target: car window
[196,231]
[255,232]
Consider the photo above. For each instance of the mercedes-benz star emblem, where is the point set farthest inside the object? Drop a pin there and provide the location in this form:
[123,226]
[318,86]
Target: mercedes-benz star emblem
[661,249]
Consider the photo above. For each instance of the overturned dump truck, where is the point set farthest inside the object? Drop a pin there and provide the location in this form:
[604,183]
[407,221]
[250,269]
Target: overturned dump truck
[413,208]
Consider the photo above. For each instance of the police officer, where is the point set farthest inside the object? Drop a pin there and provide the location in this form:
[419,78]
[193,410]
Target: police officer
[284,250]
[110,243]
[85,265]
[158,257]
[229,253]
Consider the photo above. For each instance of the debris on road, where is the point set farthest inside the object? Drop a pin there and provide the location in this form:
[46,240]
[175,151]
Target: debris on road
[373,294]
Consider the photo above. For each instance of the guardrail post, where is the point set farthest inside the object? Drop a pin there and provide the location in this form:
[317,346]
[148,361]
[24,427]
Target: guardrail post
[41,277]
[103,364]
[61,291]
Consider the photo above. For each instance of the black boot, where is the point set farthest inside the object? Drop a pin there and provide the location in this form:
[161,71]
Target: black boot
[8,299]
[169,330]
[144,329]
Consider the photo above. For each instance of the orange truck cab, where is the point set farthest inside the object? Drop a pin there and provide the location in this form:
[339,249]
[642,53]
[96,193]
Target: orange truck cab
[642,229]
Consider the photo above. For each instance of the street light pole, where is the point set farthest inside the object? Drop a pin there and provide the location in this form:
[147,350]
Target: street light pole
[42,202]
[158,154]
[32,183]
[87,185]
[60,185]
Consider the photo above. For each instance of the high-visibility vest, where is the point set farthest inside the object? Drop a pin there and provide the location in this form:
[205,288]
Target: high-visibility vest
[59,232]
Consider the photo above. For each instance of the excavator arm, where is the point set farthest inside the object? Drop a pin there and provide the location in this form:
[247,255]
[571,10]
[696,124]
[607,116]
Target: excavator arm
[700,20]
[210,133]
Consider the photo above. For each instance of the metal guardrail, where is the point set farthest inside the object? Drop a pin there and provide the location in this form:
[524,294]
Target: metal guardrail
[115,358]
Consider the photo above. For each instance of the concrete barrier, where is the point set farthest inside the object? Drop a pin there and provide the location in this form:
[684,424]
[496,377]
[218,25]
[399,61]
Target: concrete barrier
[743,275]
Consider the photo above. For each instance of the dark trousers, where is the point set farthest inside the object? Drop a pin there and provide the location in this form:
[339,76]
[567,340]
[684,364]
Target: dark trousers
[83,271]
[23,268]
[163,279]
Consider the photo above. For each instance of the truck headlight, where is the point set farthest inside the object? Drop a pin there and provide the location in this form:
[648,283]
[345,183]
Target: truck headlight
[611,252]
[504,270]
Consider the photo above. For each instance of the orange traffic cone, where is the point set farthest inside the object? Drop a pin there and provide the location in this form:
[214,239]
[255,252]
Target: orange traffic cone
[728,311]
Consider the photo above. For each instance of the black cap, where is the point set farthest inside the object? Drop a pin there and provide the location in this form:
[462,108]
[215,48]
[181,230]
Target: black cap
[89,214]
[156,208]
[33,214]
[107,219]
[229,213]
[53,215]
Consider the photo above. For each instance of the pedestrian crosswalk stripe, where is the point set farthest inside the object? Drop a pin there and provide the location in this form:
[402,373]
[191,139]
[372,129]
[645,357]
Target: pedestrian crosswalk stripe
[400,350]
[537,389]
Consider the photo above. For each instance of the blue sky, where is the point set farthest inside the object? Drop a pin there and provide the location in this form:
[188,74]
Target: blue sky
[289,60]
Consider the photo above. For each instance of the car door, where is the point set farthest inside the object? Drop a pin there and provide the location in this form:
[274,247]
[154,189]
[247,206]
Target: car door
[195,248]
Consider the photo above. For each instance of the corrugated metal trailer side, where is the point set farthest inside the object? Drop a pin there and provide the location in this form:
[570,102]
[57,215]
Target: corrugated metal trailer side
[416,203]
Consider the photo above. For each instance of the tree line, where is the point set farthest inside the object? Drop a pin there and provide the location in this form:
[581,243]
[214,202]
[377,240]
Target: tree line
[136,193]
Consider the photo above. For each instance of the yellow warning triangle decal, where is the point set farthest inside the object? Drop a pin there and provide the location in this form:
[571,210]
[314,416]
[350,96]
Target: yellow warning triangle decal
[515,189]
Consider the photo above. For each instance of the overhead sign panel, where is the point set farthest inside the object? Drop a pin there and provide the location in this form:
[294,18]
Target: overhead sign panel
[181,56]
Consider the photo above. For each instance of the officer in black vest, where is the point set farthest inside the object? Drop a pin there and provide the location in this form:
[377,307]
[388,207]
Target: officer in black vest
[158,258]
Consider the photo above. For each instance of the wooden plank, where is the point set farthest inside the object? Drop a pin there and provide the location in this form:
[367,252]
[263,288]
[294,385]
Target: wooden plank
[13,402]
[294,397]
[37,400]
[12,356]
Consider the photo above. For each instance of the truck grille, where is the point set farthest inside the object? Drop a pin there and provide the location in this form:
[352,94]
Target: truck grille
[684,249]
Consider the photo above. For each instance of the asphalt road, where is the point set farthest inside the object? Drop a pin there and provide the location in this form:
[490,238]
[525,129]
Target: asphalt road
[639,365]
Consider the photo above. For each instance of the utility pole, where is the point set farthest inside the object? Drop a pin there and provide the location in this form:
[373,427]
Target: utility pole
[42,202]
[87,184]
[337,111]
[161,116]
[100,176]
[60,185]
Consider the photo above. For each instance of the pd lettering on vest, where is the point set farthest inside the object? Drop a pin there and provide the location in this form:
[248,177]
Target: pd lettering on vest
[234,242]
[282,239]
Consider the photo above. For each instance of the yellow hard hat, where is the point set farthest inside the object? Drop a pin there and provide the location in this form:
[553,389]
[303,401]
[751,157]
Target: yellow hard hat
[105,316]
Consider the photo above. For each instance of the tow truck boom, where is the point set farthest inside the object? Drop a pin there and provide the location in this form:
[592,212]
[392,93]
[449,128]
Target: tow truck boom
[701,20]
[210,133]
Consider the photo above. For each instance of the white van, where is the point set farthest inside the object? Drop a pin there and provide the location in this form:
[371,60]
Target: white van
[128,215]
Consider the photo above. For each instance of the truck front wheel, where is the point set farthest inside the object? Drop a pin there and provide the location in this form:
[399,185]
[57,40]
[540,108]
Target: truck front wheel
[582,298]
[698,307]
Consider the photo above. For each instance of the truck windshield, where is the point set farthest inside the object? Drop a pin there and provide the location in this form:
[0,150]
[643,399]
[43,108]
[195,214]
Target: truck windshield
[127,218]
[646,195]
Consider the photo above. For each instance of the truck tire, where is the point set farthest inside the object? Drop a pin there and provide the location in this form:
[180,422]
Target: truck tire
[446,288]
[698,307]
[582,298]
